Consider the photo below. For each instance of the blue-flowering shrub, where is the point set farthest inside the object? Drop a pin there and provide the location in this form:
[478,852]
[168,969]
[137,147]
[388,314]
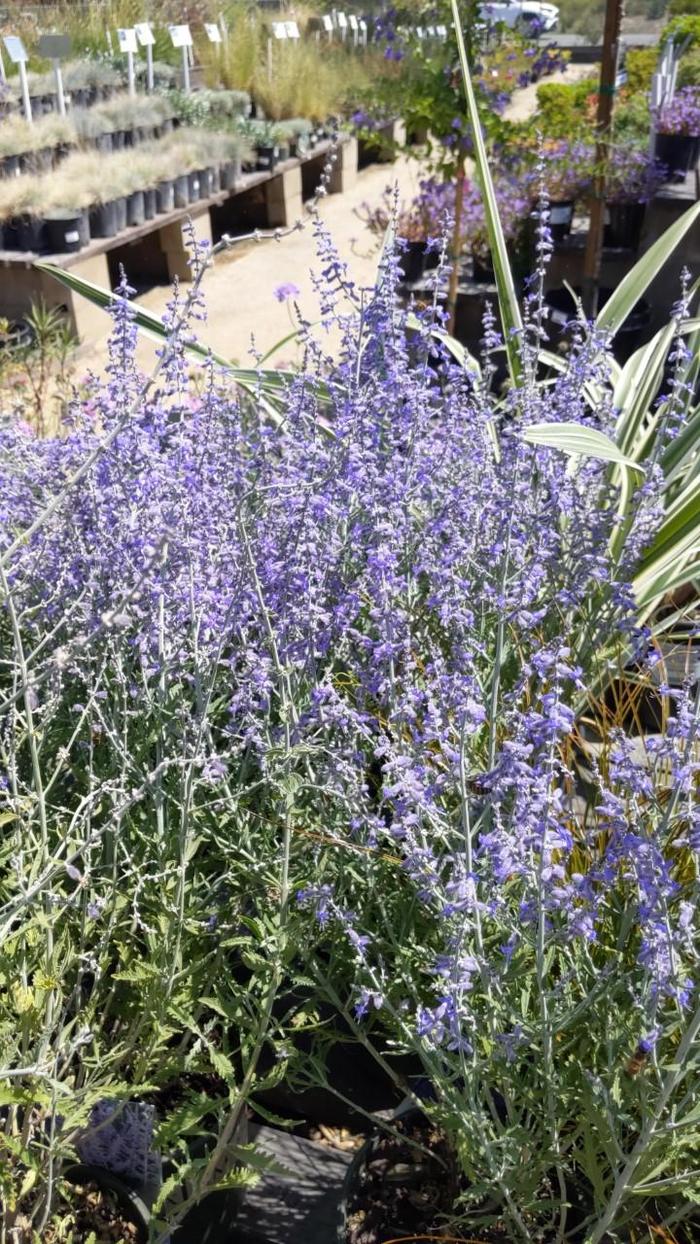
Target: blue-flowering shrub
[319,682]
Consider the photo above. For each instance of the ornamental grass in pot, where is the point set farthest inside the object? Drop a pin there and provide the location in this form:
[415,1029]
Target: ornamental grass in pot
[677,125]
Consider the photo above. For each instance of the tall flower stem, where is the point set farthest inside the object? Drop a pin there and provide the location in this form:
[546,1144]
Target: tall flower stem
[456,247]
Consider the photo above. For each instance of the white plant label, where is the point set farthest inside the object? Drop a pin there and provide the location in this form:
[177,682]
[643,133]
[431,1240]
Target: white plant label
[180,36]
[279,30]
[328,23]
[353,22]
[342,21]
[127,40]
[292,30]
[144,34]
[15,49]
[212,31]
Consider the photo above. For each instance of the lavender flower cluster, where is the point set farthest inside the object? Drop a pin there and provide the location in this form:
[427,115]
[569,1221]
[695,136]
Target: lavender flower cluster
[682,114]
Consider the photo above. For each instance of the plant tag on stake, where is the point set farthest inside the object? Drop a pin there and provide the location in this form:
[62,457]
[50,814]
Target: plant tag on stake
[279,30]
[180,37]
[328,24]
[212,32]
[144,34]
[126,38]
[292,30]
[146,39]
[56,48]
[15,50]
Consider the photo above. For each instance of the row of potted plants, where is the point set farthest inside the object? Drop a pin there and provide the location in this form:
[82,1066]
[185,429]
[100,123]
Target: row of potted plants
[123,121]
[88,198]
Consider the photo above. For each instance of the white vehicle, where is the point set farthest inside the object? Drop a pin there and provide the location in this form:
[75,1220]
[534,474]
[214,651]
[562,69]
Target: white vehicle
[521,14]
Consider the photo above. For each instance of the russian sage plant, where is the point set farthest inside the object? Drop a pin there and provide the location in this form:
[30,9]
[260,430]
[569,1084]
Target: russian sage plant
[302,700]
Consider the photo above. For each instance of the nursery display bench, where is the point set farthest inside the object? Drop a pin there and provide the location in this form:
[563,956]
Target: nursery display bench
[157,250]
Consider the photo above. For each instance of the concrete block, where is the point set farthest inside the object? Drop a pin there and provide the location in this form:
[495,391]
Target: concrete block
[283,196]
[175,246]
[344,172]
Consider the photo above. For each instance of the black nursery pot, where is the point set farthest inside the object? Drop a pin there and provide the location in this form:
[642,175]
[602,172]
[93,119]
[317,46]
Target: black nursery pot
[149,203]
[412,261]
[562,311]
[67,232]
[27,233]
[10,166]
[135,208]
[165,196]
[105,218]
[181,190]
[623,226]
[229,174]
[104,143]
[483,272]
[121,213]
[118,140]
[679,152]
[132,1208]
[206,182]
[40,161]
[267,158]
[561,216]
[194,187]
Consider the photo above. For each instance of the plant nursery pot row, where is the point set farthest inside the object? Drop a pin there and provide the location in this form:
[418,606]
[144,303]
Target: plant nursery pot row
[46,158]
[65,232]
[415,259]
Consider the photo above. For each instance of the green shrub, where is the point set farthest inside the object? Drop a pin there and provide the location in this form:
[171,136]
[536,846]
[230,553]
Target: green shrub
[561,105]
[681,28]
[631,120]
[689,68]
[640,64]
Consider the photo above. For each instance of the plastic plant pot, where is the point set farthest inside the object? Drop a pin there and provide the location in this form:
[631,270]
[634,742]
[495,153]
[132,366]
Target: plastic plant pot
[104,143]
[205,178]
[118,140]
[561,216]
[412,261]
[40,161]
[121,213]
[283,151]
[104,219]
[193,184]
[31,234]
[135,208]
[10,166]
[679,152]
[623,226]
[149,203]
[165,196]
[267,158]
[482,269]
[230,173]
[130,1205]
[562,313]
[181,190]
[67,232]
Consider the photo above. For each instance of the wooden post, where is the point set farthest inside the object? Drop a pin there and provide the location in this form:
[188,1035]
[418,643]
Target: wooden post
[456,247]
[606,95]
